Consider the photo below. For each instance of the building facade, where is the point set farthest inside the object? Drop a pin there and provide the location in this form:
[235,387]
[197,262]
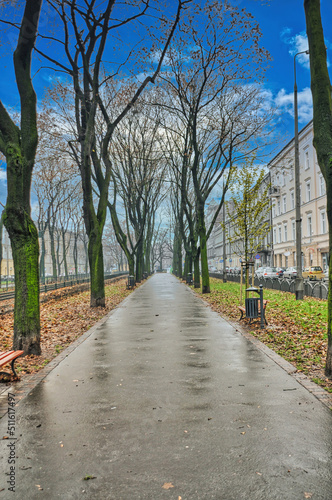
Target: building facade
[315,238]
[233,250]
[279,245]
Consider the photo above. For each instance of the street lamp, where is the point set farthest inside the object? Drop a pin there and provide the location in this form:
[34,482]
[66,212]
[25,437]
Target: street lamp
[299,288]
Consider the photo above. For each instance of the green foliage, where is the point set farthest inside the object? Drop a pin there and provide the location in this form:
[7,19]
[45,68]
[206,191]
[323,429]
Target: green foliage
[248,209]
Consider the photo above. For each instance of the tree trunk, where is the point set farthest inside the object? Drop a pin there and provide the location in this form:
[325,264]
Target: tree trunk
[96,262]
[139,262]
[58,253]
[203,248]
[75,253]
[322,121]
[197,278]
[25,249]
[53,256]
[63,232]
[42,255]
[121,238]
[19,147]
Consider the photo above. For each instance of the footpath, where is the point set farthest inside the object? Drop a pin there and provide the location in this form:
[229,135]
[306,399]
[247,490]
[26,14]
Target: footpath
[166,400]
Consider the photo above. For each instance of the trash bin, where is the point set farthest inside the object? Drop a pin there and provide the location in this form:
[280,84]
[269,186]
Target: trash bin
[251,305]
[131,282]
[189,279]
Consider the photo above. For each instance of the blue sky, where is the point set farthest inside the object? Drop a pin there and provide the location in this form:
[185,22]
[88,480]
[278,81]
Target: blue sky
[282,23]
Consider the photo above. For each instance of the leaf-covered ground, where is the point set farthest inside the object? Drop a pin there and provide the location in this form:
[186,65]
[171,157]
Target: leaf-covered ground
[63,319]
[297,330]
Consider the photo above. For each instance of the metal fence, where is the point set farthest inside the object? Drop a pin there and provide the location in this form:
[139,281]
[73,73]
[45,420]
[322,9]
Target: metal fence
[51,283]
[318,289]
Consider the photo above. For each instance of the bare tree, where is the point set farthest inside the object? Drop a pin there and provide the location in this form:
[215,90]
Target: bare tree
[218,110]
[19,144]
[86,30]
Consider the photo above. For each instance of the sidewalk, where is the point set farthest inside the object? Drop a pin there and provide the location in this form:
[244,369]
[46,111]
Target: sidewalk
[165,400]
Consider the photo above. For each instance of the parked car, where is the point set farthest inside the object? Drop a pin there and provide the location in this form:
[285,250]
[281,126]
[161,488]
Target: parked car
[326,274]
[280,271]
[291,272]
[259,272]
[313,273]
[270,272]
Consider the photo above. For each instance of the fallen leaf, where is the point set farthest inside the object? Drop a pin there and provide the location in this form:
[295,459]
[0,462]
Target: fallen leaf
[307,495]
[88,476]
[167,486]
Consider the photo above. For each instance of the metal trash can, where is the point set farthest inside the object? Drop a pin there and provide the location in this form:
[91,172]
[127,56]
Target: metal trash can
[131,282]
[189,279]
[251,305]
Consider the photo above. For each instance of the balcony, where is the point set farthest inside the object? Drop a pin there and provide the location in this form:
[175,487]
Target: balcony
[274,191]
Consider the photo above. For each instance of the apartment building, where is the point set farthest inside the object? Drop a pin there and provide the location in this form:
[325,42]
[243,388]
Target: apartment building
[279,245]
[315,240]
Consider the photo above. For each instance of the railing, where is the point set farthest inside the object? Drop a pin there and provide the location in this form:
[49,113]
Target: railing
[318,289]
[50,283]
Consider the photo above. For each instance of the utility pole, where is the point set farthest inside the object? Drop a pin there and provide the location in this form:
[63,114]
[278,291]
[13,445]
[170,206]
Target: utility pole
[299,287]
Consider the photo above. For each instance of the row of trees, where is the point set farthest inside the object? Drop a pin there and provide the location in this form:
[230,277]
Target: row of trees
[204,118]
[217,121]
[86,30]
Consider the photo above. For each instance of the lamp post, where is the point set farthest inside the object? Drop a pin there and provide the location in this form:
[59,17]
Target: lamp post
[299,288]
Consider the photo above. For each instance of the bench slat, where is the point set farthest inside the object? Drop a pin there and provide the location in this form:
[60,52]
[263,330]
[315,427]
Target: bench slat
[7,357]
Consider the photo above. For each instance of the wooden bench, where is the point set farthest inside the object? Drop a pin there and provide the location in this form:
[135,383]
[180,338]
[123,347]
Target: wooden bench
[9,357]
[243,311]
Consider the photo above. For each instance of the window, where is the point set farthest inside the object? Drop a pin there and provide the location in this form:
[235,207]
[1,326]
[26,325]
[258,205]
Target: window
[306,160]
[275,235]
[293,230]
[285,232]
[279,234]
[308,191]
[291,172]
[309,225]
[292,199]
[322,187]
[273,210]
[283,179]
[278,207]
[323,221]
[284,204]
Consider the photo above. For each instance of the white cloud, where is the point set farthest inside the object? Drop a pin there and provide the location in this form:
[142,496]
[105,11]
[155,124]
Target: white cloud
[285,103]
[298,43]
[3,175]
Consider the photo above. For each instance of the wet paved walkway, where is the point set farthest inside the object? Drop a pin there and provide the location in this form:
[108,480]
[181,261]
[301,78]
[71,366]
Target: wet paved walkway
[166,400]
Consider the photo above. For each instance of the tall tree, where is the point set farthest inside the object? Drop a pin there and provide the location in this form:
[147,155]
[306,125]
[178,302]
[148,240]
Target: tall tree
[211,91]
[248,210]
[86,30]
[322,121]
[19,145]
[139,172]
